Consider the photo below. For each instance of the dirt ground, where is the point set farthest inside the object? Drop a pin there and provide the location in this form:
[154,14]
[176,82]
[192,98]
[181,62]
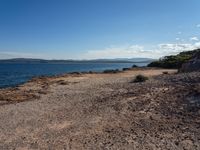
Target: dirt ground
[103,111]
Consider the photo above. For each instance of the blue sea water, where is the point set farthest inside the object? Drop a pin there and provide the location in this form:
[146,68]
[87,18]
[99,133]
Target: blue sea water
[15,74]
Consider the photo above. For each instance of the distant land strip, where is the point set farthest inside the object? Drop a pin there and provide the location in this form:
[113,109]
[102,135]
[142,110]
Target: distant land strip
[120,60]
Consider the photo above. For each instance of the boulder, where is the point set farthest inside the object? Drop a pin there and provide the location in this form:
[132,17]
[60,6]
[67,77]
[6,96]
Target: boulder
[193,64]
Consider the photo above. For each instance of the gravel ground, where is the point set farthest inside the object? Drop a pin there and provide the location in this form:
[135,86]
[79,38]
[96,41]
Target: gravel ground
[103,111]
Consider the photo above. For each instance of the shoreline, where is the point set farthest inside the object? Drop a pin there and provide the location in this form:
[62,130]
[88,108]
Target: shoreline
[15,94]
[79,72]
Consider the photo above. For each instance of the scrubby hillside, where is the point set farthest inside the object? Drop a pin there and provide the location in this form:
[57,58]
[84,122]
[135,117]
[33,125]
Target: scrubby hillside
[174,61]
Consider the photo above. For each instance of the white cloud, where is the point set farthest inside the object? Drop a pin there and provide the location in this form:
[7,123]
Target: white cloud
[118,52]
[197,45]
[134,51]
[125,51]
[177,39]
[171,48]
[194,39]
[175,48]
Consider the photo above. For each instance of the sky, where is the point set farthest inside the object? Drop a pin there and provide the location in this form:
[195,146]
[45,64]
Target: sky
[91,29]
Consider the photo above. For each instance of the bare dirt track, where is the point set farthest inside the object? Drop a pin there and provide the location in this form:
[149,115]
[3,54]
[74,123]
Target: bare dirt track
[103,111]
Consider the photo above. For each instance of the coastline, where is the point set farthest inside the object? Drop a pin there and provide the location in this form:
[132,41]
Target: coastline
[14,94]
[73,73]
[16,74]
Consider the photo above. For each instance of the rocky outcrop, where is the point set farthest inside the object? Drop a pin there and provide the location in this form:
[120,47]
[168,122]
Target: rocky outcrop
[193,64]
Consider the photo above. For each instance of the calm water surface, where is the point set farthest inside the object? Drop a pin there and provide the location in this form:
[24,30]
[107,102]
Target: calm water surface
[15,74]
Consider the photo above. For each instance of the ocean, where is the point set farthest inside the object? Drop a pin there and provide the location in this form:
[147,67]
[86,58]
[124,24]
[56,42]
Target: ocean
[16,74]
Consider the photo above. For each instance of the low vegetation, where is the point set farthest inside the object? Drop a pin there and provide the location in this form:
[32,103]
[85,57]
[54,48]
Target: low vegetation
[125,69]
[134,66]
[140,78]
[174,61]
[111,71]
[165,72]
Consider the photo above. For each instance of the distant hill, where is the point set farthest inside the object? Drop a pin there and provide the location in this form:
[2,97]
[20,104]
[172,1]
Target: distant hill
[117,60]
[174,61]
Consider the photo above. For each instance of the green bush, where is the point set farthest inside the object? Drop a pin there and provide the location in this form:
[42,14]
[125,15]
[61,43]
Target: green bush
[125,69]
[111,71]
[140,78]
[165,72]
[134,66]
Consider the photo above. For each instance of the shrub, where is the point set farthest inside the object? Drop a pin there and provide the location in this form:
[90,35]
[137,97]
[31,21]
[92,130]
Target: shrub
[111,71]
[165,72]
[91,72]
[134,66]
[76,73]
[125,69]
[140,78]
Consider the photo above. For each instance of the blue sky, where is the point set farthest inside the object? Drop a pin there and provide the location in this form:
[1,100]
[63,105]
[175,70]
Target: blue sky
[89,29]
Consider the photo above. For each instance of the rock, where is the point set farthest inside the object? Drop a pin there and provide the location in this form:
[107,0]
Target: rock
[192,65]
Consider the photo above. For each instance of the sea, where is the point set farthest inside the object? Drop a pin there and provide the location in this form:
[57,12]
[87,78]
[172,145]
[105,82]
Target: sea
[15,74]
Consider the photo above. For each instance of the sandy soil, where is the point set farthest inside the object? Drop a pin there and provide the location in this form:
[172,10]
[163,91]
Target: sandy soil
[103,111]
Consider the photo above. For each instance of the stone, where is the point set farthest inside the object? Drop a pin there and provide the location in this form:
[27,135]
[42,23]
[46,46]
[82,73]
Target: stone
[192,65]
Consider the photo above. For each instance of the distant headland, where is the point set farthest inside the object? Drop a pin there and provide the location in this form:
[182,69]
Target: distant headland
[116,60]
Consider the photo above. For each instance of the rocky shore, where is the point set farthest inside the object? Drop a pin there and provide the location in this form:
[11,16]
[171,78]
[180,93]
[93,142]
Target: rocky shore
[103,111]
